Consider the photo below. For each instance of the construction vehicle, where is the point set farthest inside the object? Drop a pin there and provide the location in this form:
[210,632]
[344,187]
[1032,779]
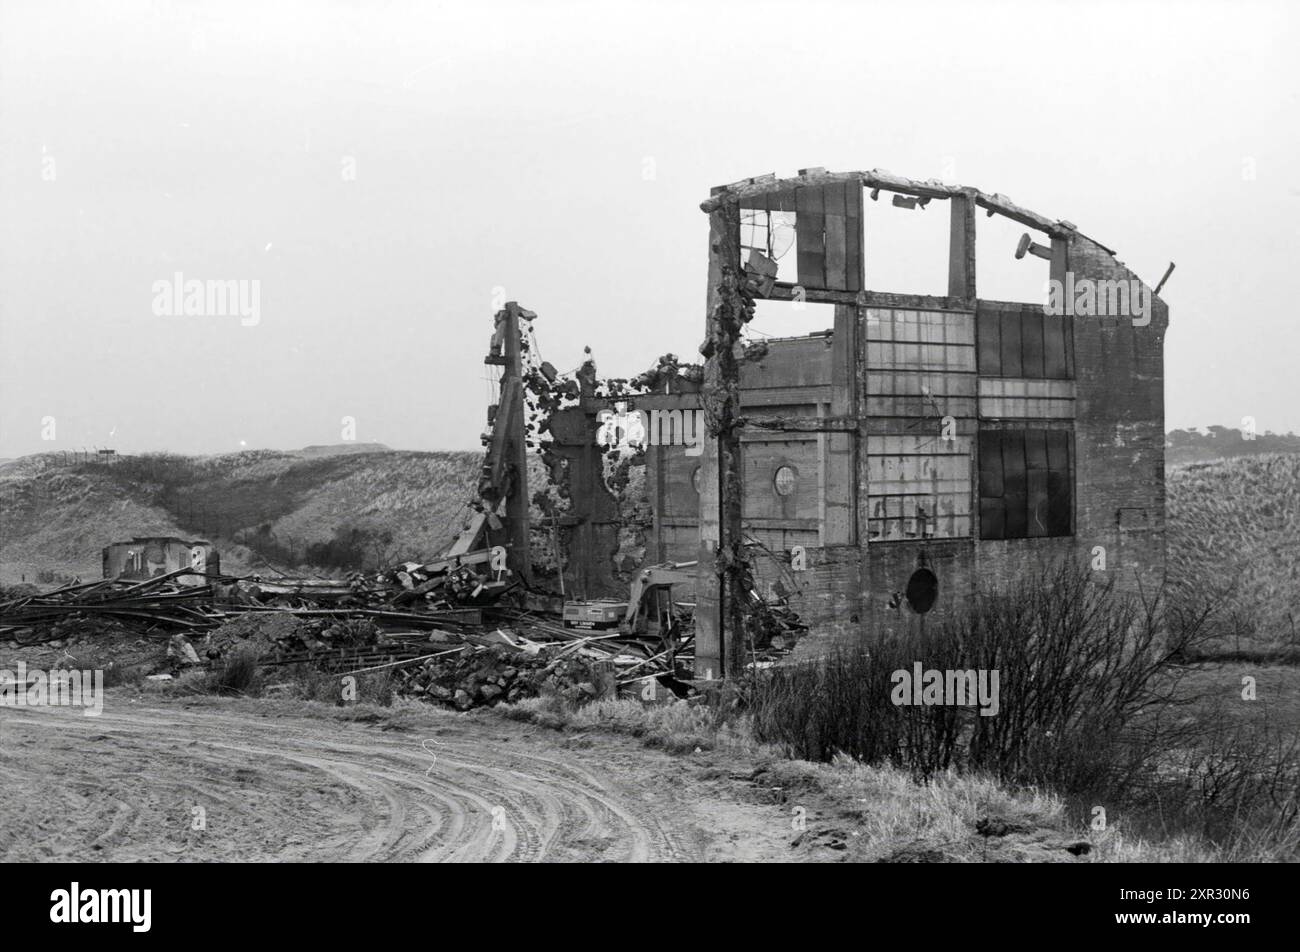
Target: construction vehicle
[650,607]
[597,613]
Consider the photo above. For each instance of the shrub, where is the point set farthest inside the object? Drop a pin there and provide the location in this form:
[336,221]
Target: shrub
[237,675]
[1076,664]
[1089,705]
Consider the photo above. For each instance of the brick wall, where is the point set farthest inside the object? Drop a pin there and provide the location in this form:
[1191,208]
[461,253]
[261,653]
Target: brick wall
[1119,432]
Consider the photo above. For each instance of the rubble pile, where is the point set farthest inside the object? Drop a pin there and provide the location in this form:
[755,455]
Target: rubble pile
[458,656]
[774,629]
[275,635]
[77,627]
[409,596]
[440,587]
[411,585]
[485,676]
[92,607]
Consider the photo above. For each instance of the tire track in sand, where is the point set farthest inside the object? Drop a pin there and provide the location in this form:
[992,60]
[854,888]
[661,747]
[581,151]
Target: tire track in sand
[123,786]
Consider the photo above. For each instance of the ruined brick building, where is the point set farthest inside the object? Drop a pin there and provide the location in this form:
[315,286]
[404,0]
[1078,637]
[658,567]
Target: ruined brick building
[879,471]
[975,439]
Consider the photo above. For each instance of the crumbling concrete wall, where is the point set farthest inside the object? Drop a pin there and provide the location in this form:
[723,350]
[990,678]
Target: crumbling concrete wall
[1120,431]
[1091,422]
[597,503]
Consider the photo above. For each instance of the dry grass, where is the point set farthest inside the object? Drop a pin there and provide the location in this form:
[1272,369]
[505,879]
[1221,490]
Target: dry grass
[677,727]
[891,811]
[1233,526]
[1095,709]
[885,810]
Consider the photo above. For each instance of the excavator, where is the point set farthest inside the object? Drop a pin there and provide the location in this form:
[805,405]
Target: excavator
[649,609]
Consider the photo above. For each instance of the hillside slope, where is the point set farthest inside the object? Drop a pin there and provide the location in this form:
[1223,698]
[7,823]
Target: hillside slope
[336,511]
[1234,529]
[1234,525]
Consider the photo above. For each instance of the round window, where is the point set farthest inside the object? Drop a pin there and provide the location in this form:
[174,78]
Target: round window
[784,480]
[695,479]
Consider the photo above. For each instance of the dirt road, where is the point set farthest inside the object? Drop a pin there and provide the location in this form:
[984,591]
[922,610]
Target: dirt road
[214,779]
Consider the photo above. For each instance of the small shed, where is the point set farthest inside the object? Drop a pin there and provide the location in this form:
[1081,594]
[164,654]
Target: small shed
[146,557]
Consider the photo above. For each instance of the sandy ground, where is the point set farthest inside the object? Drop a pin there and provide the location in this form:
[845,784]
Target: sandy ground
[275,780]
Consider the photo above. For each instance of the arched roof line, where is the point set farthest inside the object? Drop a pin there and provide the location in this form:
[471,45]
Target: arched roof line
[994,203]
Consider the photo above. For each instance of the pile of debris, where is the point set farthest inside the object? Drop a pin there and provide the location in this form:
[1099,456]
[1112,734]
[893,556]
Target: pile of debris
[437,595]
[464,669]
[438,585]
[442,585]
[277,636]
[475,676]
[774,629]
[413,621]
[155,603]
[77,627]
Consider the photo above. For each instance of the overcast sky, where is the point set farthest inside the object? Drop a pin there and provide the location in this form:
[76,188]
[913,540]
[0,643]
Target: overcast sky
[385,169]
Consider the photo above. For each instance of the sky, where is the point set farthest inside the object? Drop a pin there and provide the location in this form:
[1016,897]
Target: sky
[386,174]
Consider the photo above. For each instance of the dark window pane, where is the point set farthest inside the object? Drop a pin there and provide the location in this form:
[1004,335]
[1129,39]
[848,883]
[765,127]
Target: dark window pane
[988,327]
[1060,484]
[1054,347]
[1036,477]
[990,464]
[1031,343]
[1058,450]
[1013,462]
[1017,520]
[992,519]
[1058,504]
[1015,483]
[1011,366]
[1026,483]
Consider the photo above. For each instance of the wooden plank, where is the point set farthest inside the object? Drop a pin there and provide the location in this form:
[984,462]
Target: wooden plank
[853,237]
[800,424]
[1054,362]
[1069,346]
[468,539]
[836,241]
[810,237]
[1031,342]
[782,200]
[1011,365]
[989,336]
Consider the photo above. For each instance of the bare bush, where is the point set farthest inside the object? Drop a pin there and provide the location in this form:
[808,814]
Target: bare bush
[1089,706]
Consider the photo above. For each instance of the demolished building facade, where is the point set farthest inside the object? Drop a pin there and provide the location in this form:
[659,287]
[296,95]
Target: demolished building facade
[966,439]
[879,472]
